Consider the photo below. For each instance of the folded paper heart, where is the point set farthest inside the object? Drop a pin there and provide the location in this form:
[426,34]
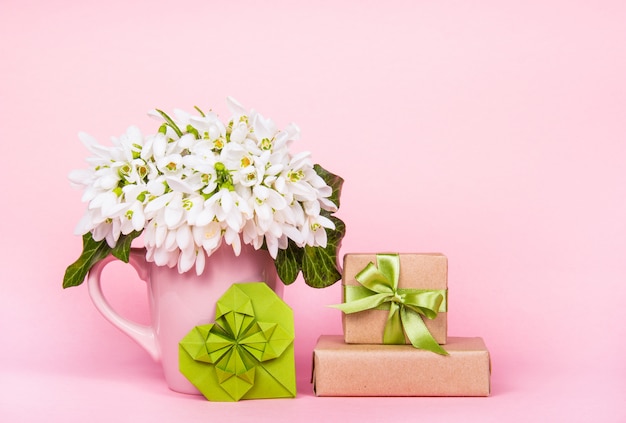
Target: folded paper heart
[379,289]
[248,352]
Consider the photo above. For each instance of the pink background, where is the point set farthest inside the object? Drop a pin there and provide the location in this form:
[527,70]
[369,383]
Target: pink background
[491,131]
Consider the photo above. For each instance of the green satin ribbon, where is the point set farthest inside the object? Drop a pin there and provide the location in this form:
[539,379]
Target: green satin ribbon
[378,289]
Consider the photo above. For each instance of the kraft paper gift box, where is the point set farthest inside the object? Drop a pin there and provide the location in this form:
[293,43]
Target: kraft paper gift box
[341,369]
[248,352]
[428,271]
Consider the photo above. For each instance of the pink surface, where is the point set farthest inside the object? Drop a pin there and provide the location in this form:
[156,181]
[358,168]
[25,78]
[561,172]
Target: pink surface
[493,132]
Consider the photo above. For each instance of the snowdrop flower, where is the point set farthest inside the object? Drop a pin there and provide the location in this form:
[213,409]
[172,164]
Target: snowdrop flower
[134,218]
[265,201]
[228,207]
[199,182]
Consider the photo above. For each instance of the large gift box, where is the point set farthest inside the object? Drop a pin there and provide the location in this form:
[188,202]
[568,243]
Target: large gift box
[341,369]
[248,352]
[415,283]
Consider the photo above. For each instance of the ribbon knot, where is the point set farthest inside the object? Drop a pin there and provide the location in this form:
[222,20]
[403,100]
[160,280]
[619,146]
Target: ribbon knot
[378,289]
[398,298]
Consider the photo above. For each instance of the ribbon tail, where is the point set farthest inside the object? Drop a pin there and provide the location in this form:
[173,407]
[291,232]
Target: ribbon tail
[393,328]
[418,333]
[362,304]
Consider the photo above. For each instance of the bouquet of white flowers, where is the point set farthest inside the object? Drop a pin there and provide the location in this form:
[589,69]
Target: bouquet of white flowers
[199,182]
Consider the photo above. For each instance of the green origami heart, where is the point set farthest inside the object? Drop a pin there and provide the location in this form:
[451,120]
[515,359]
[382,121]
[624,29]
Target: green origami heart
[248,352]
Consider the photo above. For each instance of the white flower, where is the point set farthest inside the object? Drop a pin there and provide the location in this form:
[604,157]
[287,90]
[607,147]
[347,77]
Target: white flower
[314,231]
[245,161]
[228,207]
[265,202]
[209,126]
[130,143]
[199,182]
[134,218]
[208,236]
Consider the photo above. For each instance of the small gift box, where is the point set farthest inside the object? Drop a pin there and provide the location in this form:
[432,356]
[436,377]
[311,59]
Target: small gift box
[248,352]
[395,299]
[341,369]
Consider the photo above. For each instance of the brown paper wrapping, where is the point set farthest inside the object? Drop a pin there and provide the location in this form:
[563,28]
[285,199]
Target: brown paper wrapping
[341,369]
[418,271]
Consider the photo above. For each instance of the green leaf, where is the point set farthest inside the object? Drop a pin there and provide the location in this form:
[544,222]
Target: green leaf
[288,263]
[170,122]
[93,251]
[332,180]
[199,111]
[319,265]
[122,248]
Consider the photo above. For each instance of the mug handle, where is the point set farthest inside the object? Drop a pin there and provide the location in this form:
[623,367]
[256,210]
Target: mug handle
[145,336]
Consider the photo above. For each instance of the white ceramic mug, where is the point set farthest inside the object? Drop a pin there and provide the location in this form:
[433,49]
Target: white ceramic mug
[178,302]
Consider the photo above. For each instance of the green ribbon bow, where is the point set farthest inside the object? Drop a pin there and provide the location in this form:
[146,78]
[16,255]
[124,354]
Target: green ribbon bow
[379,289]
[241,347]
